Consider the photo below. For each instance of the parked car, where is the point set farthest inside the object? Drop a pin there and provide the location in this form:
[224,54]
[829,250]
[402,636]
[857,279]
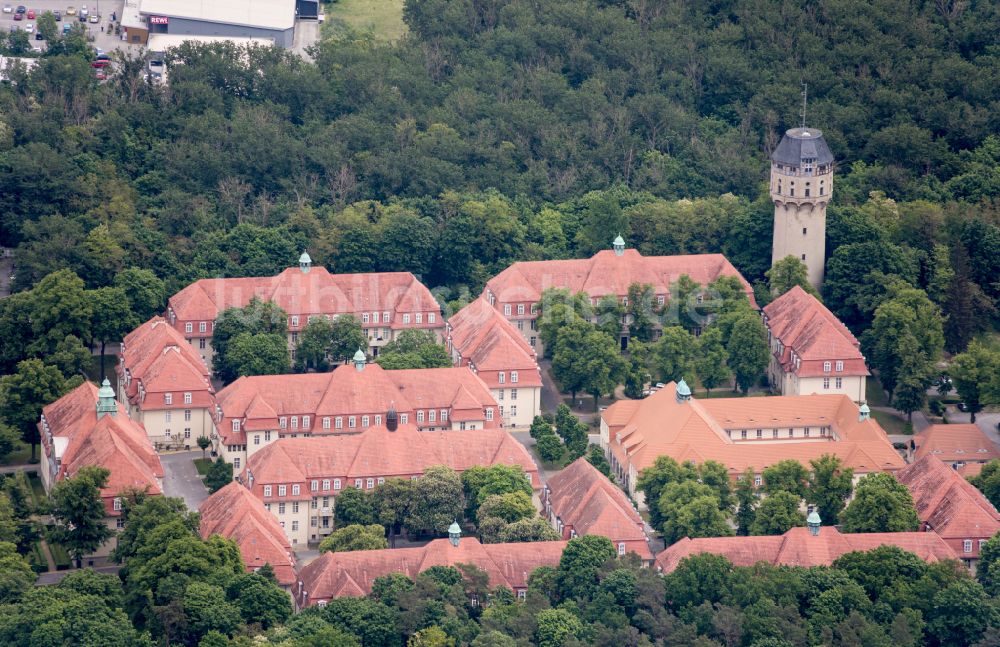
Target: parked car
[38,36]
[101,63]
[20,9]
[29,28]
[30,14]
[962,406]
[83,15]
[71,10]
[66,28]
[14,28]
[57,14]
[100,75]
[8,9]
[19,16]
[103,57]
[94,18]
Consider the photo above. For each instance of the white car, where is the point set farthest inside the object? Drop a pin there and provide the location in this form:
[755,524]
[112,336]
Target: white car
[29,28]
[8,9]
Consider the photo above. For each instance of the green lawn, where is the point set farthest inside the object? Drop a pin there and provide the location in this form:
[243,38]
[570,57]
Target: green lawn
[20,455]
[874,393]
[203,465]
[384,18]
[890,423]
[37,489]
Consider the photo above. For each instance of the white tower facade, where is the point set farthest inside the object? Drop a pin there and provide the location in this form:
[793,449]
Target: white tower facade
[801,185]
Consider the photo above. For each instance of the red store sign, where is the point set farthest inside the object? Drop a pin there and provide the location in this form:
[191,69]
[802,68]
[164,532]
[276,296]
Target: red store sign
[158,20]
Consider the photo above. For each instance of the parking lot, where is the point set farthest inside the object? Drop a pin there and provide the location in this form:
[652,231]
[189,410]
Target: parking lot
[103,8]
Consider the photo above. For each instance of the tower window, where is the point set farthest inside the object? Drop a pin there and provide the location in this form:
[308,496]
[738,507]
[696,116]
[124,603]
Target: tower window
[804,230]
[807,192]
[803,257]
[791,191]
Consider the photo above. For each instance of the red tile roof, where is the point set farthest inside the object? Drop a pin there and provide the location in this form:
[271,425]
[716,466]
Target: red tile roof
[798,547]
[158,358]
[234,513]
[963,443]
[606,273]
[487,342]
[379,452]
[948,504]
[805,327]
[335,575]
[642,430]
[79,439]
[590,504]
[259,401]
[314,293]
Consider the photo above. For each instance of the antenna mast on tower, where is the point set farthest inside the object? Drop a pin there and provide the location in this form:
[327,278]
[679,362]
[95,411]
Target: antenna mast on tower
[805,96]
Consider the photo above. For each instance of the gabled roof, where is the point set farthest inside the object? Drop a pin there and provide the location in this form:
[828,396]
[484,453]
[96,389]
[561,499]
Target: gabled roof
[947,503]
[301,294]
[345,391]
[352,573]
[486,340]
[114,442]
[607,273]
[380,452]
[585,499]
[798,547]
[642,430]
[159,357]
[955,443]
[234,513]
[804,325]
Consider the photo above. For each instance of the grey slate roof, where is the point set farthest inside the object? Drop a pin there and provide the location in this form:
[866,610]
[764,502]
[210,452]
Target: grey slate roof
[802,143]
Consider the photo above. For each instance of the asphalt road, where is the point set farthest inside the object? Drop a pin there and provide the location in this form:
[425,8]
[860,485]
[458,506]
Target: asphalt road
[180,478]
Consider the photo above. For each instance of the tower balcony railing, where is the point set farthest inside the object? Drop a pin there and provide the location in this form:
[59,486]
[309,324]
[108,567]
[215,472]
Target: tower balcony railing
[790,171]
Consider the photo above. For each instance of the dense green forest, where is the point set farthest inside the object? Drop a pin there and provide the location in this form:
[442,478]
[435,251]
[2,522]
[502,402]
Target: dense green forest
[506,129]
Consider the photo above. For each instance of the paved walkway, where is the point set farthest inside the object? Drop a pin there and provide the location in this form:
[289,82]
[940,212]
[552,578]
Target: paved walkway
[920,421]
[47,579]
[181,479]
[25,467]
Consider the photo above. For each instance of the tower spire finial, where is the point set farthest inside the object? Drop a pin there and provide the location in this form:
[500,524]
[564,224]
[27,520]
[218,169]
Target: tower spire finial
[805,99]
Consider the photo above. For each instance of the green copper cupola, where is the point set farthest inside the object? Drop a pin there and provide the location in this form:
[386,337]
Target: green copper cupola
[618,245]
[305,262]
[359,360]
[106,400]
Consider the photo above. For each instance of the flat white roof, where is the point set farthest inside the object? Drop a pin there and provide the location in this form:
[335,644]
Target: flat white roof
[130,18]
[163,42]
[266,14]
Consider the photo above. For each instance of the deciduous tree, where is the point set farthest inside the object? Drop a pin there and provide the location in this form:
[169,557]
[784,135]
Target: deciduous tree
[355,537]
[830,485]
[79,512]
[786,274]
[880,504]
[777,513]
[24,394]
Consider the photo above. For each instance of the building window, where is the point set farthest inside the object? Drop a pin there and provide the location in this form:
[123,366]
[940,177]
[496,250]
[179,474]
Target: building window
[187,415]
[336,484]
[967,546]
[352,422]
[513,377]
[839,382]
[444,415]
[506,309]
[314,486]
[418,317]
[743,434]
[520,308]
[295,320]
[803,257]
[501,377]
[406,318]
[370,483]
[513,410]
[826,367]
[378,420]
[621,548]
[431,318]
[760,433]
[187,432]
[805,432]
[187,398]
[534,340]
[432,415]
[295,525]
[168,416]
[357,483]
[339,422]
[326,423]
[804,230]
[189,327]
[201,343]
[236,425]
[236,463]
[282,490]
[774,433]
[365,318]
[381,481]
[283,423]
[522,594]
[840,366]
[757,481]
[364,421]
[295,422]
[420,417]
[404,418]
[118,503]
[326,485]
[168,398]
[267,436]
[826,383]
[385,316]
[305,422]
[489,414]
[267,490]
[256,439]
[281,508]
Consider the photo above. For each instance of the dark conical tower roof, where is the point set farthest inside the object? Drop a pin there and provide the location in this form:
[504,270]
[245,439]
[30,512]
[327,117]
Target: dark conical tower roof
[392,419]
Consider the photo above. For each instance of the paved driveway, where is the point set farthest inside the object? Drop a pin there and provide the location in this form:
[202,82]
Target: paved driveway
[180,478]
